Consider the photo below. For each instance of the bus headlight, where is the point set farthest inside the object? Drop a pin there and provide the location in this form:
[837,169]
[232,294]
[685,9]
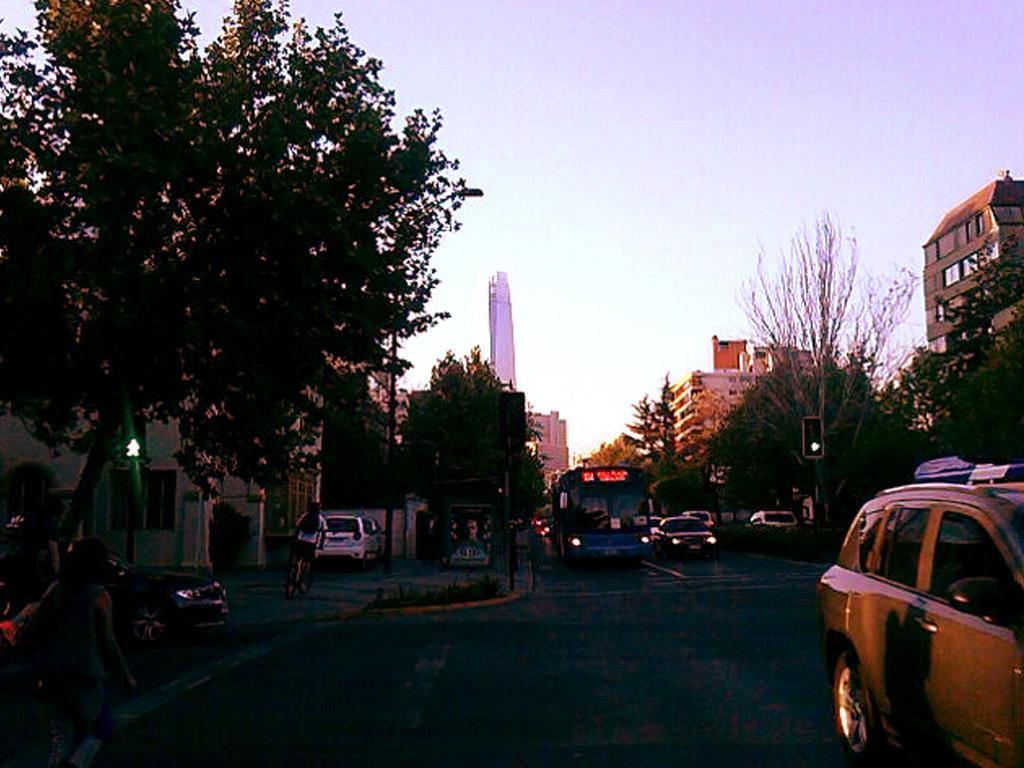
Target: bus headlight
[575,541]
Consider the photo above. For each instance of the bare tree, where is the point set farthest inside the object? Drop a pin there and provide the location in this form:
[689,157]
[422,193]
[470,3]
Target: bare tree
[829,331]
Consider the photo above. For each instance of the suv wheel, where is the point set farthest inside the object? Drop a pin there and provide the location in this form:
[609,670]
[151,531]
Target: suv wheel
[852,713]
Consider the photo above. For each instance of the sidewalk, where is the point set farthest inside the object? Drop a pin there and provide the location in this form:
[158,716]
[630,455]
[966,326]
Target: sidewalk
[257,597]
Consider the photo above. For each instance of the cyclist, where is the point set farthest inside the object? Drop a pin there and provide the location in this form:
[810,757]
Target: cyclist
[309,531]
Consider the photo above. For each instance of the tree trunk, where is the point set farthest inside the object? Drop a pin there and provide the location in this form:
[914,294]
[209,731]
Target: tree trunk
[80,513]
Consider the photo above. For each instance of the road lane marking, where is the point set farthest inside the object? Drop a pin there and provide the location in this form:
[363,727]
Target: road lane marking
[147,703]
[663,569]
[424,677]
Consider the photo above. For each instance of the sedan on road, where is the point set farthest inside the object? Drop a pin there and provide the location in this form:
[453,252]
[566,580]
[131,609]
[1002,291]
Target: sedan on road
[677,536]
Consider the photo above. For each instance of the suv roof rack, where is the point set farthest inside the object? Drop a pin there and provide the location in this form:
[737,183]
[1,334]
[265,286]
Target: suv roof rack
[953,469]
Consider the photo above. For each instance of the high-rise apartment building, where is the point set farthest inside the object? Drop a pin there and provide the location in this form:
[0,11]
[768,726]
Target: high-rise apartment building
[979,225]
[552,443]
[503,354]
[702,399]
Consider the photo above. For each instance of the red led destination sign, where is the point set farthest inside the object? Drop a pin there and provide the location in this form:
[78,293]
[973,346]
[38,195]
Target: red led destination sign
[605,475]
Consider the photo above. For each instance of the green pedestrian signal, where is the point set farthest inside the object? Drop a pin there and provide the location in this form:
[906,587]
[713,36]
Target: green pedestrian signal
[813,438]
[133,449]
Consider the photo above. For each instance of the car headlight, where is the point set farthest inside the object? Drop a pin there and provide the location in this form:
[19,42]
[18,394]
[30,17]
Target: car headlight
[645,539]
[712,540]
[188,594]
[575,541]
[677,541]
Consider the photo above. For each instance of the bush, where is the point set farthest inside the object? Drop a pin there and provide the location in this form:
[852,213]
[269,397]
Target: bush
[800,543]
[229,531]
[486,588]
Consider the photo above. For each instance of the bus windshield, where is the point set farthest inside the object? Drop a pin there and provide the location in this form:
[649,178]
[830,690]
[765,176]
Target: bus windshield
[599,509]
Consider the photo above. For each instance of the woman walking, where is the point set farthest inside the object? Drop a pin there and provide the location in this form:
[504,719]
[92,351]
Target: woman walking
[74,636]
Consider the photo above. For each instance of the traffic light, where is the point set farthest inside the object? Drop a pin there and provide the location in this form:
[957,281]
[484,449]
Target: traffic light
[813,438]
[512,422]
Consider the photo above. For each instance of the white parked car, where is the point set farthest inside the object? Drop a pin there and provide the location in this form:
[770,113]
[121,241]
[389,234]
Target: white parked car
[778,518]
[349,537]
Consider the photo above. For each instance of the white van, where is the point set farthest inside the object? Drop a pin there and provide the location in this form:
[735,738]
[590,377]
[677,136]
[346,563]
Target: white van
[349,537]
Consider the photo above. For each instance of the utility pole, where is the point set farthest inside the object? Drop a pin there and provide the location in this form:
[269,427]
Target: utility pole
[390,456]
[512,430]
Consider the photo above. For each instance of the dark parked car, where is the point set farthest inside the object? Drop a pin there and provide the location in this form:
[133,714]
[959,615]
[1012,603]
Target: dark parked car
[677,536]
[148,605]
[922,621]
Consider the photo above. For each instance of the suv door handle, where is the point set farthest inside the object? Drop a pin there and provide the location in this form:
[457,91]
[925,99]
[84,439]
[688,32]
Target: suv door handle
[926,625]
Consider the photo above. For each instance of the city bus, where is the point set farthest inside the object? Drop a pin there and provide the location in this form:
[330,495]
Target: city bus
[601,513]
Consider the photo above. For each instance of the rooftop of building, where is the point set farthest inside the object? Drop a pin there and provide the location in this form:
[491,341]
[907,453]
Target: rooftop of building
[1003,190]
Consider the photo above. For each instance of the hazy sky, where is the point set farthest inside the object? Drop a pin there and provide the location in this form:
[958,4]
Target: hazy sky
[636,157]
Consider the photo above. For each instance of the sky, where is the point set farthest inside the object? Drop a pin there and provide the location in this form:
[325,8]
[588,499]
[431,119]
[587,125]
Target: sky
[637,157]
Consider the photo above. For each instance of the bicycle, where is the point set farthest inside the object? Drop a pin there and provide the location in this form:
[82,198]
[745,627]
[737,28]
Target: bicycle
[299,578]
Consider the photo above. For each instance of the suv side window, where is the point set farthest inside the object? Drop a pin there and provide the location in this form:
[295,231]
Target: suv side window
[870,525]
[901,543]
[964,550]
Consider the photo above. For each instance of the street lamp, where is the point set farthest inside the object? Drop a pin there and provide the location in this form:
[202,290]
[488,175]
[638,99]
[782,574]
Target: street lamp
[392,421]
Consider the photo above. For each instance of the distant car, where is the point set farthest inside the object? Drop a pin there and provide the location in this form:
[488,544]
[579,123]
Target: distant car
[699,514]
[921,619]
[774,518]
[679,535]
[542,526]
[349,537]
[150,604]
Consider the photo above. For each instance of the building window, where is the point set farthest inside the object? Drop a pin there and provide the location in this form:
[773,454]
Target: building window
[157,508]
[969,265]
[940,312]
[938,345]
[27,488]
[979,222]
[951,274]
[967,231]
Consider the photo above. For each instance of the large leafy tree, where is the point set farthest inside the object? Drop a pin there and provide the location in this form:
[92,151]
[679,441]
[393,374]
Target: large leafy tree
[218,238]
[620,451]
[967,400]
[455,426]
[653,431]
[458,418]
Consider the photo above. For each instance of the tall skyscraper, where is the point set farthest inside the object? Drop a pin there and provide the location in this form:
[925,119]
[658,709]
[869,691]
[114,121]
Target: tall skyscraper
[503,351]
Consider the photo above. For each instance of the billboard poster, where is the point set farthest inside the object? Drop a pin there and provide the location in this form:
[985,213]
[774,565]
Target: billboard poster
[469,535]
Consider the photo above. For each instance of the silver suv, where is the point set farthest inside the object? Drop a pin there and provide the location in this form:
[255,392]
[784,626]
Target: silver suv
[922,622]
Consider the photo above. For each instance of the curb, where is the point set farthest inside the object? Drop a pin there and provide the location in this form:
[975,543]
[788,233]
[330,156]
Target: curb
[414,609]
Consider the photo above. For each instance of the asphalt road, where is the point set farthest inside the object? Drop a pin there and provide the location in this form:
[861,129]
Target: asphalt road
[673,663]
